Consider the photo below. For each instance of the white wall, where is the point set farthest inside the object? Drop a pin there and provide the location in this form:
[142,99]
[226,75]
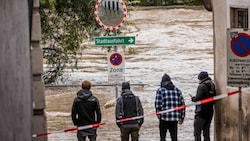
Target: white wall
[226,110]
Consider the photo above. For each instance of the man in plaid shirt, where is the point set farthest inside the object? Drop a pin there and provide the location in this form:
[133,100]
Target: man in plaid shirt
[168,96]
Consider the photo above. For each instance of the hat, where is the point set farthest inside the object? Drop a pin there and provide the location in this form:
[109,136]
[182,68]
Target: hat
[202,75]
[125,85]
[165,78]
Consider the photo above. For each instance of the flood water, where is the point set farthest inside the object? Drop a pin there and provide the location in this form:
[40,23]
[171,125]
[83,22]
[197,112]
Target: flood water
[174,41]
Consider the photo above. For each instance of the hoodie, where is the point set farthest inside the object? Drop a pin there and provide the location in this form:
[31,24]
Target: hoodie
[128,105]
[85,109]
[168,96]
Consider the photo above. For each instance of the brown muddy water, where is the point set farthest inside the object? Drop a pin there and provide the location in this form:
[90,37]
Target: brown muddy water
[174,41]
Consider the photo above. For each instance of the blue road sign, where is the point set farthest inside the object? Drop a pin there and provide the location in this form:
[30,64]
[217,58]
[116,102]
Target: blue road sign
[240,45]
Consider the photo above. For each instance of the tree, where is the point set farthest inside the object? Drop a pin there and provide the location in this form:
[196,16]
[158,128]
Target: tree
[65,24]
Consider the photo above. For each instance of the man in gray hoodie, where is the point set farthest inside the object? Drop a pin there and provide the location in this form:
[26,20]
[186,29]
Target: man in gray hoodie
[128,106]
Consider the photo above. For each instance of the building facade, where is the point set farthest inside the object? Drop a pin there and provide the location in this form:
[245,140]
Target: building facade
[232,115]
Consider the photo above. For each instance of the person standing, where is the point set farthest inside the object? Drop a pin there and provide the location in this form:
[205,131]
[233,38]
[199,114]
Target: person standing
[128,105]
[204,112]
[168,96]
[86,111]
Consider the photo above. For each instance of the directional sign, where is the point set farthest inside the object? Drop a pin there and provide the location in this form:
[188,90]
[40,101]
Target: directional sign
[238,58]
[114,40]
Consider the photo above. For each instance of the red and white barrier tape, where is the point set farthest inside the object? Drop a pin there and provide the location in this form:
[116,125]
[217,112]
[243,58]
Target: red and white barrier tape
[70,129]
[211,99]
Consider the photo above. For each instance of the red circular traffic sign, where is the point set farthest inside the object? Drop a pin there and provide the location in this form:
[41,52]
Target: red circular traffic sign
[115,59]
[107,27]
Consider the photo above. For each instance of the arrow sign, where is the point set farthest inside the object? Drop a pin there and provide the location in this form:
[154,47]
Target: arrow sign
[114,40]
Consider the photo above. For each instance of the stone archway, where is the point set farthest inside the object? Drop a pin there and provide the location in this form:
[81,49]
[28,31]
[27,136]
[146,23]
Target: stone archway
[208,4]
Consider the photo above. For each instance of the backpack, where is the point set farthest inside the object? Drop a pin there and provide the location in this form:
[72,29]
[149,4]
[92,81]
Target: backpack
[206,110]
[131,109]
[211,87]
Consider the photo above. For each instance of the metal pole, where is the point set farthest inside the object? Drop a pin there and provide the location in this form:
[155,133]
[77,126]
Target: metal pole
[116,86]
[116,91]
[240,116]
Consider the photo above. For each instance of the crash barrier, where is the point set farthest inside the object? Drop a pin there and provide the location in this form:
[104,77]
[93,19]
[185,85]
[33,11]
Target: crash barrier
[211,99]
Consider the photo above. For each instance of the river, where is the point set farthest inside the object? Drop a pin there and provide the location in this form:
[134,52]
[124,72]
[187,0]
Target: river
[176,41]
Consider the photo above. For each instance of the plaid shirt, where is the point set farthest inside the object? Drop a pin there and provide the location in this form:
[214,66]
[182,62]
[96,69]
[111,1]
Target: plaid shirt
[168,99]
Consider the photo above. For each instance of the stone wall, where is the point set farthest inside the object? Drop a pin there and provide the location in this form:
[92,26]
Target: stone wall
[22,97]
[15,72]
[39,117]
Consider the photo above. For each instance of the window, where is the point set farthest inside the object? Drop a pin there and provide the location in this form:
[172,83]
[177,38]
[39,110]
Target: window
[239,18]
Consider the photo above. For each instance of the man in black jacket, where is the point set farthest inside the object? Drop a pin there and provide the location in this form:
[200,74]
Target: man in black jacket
[86,111]
[127,106]
[204,112]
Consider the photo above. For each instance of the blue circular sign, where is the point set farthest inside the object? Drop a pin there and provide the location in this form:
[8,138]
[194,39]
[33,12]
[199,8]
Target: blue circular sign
[115,59]
[240,45]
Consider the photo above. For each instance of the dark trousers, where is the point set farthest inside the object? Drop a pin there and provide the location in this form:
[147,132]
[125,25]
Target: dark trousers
[133,131]
[83,134]
[171,126]
[202,125]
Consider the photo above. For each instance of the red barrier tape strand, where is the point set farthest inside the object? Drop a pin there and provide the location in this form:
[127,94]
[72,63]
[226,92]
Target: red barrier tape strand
[211,99]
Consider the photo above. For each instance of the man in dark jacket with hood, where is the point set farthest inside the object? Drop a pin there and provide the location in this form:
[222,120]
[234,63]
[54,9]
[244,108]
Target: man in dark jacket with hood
[204,112]
[127,106]
[168,96]
[86,111]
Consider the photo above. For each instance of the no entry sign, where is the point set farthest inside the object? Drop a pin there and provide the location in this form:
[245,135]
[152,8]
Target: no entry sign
[238,58]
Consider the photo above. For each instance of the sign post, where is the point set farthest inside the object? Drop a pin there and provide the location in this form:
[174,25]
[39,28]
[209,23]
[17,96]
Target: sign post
[238,64]
[116,68]
[111,15]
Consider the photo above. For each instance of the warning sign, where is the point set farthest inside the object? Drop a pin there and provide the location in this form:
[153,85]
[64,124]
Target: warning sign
[238,58]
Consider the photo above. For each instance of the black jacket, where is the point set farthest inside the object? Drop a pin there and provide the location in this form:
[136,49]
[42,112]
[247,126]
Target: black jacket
[205,90]
[85,109]
[128,105]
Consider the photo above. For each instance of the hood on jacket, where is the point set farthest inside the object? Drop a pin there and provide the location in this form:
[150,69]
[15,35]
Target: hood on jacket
[126,92]
[208,82]
[168,85]
[84,94]
[205,80]
[166,82]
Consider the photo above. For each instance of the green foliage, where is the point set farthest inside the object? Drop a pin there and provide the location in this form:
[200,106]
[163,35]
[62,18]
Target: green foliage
[65,24]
